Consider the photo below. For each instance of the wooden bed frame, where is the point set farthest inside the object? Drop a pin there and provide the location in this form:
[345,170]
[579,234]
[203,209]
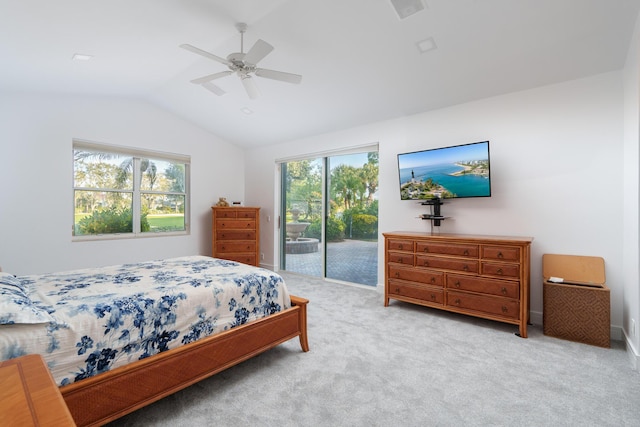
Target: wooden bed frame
[110,395]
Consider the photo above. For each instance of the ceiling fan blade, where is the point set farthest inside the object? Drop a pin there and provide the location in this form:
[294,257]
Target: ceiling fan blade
[278,75]
[258,51]
[210,77]
[205,54]
[213,88]
[250,87]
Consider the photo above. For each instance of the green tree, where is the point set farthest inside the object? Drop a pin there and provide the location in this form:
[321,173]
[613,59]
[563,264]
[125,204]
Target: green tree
[346,184]
[369,174]
[303,180]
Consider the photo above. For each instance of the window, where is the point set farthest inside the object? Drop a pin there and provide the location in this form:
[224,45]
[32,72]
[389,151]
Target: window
[122,192]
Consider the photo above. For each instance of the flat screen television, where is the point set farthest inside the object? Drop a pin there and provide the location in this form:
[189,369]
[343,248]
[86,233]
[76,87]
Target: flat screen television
[446,173]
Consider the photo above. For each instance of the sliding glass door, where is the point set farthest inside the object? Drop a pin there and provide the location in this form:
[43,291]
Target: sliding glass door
[301,249]
[331,217]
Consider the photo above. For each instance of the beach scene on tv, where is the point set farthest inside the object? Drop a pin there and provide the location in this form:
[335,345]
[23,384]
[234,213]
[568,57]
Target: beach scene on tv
[450,172]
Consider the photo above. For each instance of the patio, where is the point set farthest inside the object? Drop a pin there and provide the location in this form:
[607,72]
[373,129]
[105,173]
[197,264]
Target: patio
[353,261]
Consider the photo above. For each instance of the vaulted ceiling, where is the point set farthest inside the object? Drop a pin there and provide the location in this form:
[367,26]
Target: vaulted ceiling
[359,60]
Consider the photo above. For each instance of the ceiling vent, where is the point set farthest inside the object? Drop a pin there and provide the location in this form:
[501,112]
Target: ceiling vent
[406,8]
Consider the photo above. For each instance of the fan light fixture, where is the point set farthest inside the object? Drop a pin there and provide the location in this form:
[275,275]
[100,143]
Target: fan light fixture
[242,64]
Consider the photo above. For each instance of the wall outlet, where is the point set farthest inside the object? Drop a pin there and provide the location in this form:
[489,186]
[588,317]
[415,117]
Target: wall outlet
[261,256]
[633,327]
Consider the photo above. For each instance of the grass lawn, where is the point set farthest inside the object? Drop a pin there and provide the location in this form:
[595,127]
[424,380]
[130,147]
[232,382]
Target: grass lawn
[168,222]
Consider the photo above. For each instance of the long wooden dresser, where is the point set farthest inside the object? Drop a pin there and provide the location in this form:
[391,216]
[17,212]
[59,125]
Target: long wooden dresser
[236,234]
[482,276]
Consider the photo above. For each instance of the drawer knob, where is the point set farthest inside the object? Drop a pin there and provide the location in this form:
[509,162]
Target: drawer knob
[224,248]
[400,246]
[426,263]
[397,274]
[397,290]
[505,309]
[457,284]
[433,297]
[503,290]
[457,301]
[500,255]
[466,252]
[433,279]
[499,271]
[465,268]
[401,260]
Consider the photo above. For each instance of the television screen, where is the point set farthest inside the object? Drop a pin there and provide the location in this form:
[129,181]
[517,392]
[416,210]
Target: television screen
[448,172]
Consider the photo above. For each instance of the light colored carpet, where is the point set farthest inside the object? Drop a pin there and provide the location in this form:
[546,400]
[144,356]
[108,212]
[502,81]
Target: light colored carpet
[371,365]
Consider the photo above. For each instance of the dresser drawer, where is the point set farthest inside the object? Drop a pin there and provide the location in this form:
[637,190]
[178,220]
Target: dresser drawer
[508,271]
[447,249]
[501,288]
[236,235]
[400,258]
[226,224]
[226,213]
[243,258]
[400,245]
[247,214]
[503,307]
[468,266]
[501,253]
[235,246]
[430,294]
[429,277]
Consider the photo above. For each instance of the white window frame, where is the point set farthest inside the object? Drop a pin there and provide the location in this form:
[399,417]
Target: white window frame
[137,154]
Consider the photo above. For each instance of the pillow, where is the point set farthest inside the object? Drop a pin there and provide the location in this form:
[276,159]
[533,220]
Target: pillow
[15,304]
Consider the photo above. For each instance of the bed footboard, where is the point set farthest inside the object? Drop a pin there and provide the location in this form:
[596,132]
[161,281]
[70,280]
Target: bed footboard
[108,396]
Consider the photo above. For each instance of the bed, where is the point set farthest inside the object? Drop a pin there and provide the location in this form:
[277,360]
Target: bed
[118,338]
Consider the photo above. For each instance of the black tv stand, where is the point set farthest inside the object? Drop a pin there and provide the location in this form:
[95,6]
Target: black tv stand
[435,216]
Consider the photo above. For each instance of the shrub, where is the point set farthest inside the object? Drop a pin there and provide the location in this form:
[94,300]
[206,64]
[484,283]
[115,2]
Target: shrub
[110,221]
[364,226]
[335,230]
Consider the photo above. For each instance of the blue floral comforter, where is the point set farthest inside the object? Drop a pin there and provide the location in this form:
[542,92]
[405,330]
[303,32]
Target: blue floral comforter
[107,317]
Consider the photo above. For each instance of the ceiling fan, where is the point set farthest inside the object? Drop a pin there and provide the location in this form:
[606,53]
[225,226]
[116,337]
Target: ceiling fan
[244,65]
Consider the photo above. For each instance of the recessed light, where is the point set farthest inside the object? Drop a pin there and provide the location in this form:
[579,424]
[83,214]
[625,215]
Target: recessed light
[81,57]
[426,45]
[406,8]
[246,110]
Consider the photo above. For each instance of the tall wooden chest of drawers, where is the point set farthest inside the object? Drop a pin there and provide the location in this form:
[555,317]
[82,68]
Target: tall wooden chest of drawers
[236,234]
[482,276]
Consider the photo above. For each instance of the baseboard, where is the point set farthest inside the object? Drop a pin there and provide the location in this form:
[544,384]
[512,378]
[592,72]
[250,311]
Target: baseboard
[632,352]
[617,333]
[535,318]
[268,266]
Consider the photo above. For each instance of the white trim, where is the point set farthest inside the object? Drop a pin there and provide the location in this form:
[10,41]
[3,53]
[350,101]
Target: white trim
[632,353]
[135,152]
[355,149]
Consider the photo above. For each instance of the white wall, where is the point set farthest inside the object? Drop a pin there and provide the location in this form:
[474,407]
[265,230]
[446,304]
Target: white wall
[36,206]
[631,309]
[556,165]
